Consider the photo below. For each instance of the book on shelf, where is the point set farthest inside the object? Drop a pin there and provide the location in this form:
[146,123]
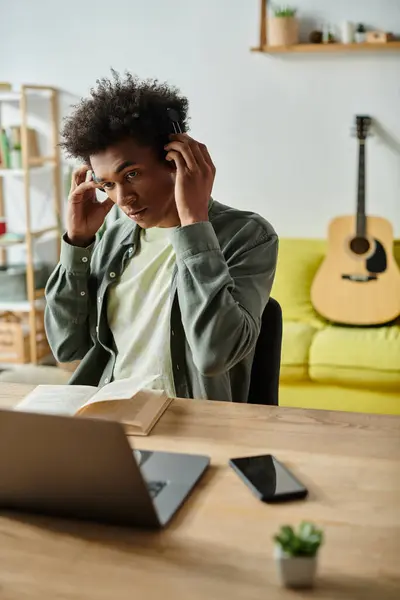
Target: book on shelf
[11,141]
[4,150]
[137,409]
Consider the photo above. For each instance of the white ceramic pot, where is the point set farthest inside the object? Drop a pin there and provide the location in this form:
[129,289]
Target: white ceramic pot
[15,159]
[283,31]
[295,571]
[347,32]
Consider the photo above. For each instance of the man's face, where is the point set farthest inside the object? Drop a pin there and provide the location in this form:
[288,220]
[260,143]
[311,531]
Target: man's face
[136,179]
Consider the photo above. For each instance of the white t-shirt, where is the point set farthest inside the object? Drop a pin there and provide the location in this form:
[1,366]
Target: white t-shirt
[138,312]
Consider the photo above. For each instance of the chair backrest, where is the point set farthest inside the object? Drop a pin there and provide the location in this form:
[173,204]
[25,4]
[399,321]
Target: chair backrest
[264,384]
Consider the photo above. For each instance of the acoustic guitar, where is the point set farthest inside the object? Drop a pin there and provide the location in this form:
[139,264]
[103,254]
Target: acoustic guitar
[358,283]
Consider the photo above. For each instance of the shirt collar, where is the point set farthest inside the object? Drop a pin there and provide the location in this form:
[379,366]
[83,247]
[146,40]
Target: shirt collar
[131,231]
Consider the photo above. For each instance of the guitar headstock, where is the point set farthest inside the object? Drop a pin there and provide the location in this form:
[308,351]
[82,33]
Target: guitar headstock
[363,124]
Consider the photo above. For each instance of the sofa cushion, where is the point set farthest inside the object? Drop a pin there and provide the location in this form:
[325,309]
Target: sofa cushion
[334,397]
[357,356]
[296,343]
[298,261]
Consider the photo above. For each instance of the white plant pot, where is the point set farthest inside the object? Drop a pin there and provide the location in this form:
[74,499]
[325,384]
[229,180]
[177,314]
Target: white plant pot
[15,159]
[295,571]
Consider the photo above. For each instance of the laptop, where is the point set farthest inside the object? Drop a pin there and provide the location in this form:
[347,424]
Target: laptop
[85,468]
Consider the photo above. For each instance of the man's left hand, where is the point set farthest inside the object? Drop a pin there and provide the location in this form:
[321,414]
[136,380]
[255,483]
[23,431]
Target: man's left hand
[195,173]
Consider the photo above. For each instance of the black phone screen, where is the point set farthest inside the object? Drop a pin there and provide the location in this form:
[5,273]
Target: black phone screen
[268,478]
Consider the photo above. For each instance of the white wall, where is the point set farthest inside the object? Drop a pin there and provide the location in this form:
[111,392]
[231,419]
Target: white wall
[278,128]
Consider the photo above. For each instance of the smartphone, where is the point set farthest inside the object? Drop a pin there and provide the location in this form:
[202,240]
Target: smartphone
[268,479]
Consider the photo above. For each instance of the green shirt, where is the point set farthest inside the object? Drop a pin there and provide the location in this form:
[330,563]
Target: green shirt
[220,285]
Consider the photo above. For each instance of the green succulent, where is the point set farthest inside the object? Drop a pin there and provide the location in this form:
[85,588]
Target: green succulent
[284,11]
[305,542]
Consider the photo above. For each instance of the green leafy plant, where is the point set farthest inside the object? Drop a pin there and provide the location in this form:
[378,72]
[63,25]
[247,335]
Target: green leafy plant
[303,543]
[284,11]
[17,147]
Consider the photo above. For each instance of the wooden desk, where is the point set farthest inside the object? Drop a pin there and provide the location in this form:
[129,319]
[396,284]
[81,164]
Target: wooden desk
[219,545]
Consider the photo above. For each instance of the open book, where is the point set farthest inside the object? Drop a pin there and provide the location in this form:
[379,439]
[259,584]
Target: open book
[137,409]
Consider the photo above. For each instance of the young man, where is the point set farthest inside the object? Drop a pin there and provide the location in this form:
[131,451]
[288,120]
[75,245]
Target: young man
[173,292]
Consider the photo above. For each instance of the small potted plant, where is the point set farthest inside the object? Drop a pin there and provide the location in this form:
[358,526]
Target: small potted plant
[283,26]
[296,554]
[16,157]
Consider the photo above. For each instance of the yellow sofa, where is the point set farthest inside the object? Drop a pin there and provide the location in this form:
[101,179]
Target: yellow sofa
[325,365]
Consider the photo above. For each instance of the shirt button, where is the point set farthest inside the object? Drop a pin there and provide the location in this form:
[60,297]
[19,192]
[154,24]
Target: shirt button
[84,258]
[130,250]
[106,380]
[83,293]
[112,274]
[172,332]
[177,367]
[99,299]
[97,329]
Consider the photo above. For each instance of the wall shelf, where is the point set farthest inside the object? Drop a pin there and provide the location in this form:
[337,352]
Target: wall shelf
[329,48]
[306,48]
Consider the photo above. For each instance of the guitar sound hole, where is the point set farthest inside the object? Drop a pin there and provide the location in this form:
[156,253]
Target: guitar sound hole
[359,245]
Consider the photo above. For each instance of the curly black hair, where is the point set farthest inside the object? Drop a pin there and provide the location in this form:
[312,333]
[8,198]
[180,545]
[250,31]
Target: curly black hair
[119,108]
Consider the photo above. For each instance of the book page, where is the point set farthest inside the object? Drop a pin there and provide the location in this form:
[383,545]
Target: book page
[56,399]
[128,402]
[123,389]
[139,414]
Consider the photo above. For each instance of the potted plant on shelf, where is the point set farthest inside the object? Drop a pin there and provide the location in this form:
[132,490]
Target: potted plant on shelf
[16,157]
[283,27]
[296,554]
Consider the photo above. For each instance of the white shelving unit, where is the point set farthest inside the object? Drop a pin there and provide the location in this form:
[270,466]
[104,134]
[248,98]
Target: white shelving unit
[50,165]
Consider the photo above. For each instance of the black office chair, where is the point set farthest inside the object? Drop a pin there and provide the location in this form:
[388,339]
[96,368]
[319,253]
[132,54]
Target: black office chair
[264,383]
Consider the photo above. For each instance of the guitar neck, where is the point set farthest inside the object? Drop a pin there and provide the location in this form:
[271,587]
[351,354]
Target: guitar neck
[361,217]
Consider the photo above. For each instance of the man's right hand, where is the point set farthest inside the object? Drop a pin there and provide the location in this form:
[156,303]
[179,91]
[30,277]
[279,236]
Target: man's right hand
[85,215]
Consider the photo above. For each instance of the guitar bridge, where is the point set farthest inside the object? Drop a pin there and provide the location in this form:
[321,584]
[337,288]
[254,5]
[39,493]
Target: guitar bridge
[360,278]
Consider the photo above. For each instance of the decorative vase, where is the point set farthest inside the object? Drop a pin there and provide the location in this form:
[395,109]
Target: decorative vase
[347,32]
[295,571]
[283,31]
